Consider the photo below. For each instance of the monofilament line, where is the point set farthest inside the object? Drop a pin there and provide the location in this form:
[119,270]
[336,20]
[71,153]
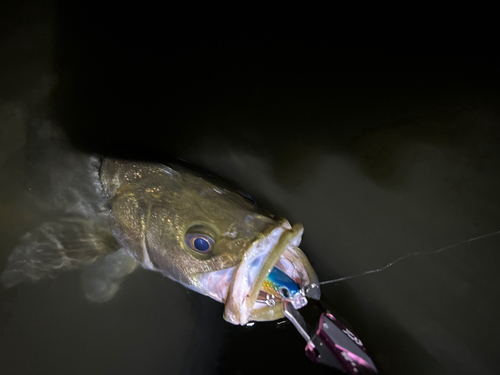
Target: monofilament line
[409,256]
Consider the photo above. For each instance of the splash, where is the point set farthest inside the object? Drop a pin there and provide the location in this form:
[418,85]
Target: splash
[376,270]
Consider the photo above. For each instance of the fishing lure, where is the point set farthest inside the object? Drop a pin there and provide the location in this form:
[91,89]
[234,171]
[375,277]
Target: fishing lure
[329,341]
[279,285]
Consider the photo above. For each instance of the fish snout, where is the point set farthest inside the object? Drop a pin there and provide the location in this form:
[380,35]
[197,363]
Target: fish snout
[270,263]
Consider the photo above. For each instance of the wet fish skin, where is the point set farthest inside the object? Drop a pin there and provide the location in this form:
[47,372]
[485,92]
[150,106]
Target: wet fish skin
[118,214]
[155,205]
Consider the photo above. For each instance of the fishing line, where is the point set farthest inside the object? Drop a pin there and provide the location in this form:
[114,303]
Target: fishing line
[409,256]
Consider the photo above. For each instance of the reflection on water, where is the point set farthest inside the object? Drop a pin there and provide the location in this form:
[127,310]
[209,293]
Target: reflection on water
[374,171]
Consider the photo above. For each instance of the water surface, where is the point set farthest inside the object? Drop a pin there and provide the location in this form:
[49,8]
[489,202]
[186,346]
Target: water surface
[382,139]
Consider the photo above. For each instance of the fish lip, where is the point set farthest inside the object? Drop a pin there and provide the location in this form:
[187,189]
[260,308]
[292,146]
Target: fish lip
[256,265]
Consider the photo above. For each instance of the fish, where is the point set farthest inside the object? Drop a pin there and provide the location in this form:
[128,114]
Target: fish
[171,219]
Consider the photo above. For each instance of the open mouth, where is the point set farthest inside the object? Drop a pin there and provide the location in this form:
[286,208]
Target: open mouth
[246,300]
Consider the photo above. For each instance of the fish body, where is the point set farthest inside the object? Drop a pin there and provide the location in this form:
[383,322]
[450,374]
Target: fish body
[172,220]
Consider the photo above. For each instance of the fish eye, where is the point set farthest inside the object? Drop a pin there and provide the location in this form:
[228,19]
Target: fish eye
[201,243]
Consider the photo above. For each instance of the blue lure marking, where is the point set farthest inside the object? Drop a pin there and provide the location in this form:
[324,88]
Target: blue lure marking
[282,283]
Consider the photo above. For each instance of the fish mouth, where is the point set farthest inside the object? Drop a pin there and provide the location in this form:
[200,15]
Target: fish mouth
[245,300]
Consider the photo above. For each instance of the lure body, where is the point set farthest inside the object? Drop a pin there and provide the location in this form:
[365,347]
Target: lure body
[279,285]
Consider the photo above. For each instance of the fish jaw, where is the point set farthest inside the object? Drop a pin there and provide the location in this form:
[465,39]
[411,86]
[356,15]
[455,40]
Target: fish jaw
[240,287]
[278,248]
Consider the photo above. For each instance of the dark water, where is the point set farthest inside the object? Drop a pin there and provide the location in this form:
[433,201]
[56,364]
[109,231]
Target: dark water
[377,128]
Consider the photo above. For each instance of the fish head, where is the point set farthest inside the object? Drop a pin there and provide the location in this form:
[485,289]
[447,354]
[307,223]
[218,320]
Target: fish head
[207,237]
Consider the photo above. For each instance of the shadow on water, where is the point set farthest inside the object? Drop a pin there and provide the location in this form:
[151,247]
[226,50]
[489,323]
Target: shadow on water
[381,140]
